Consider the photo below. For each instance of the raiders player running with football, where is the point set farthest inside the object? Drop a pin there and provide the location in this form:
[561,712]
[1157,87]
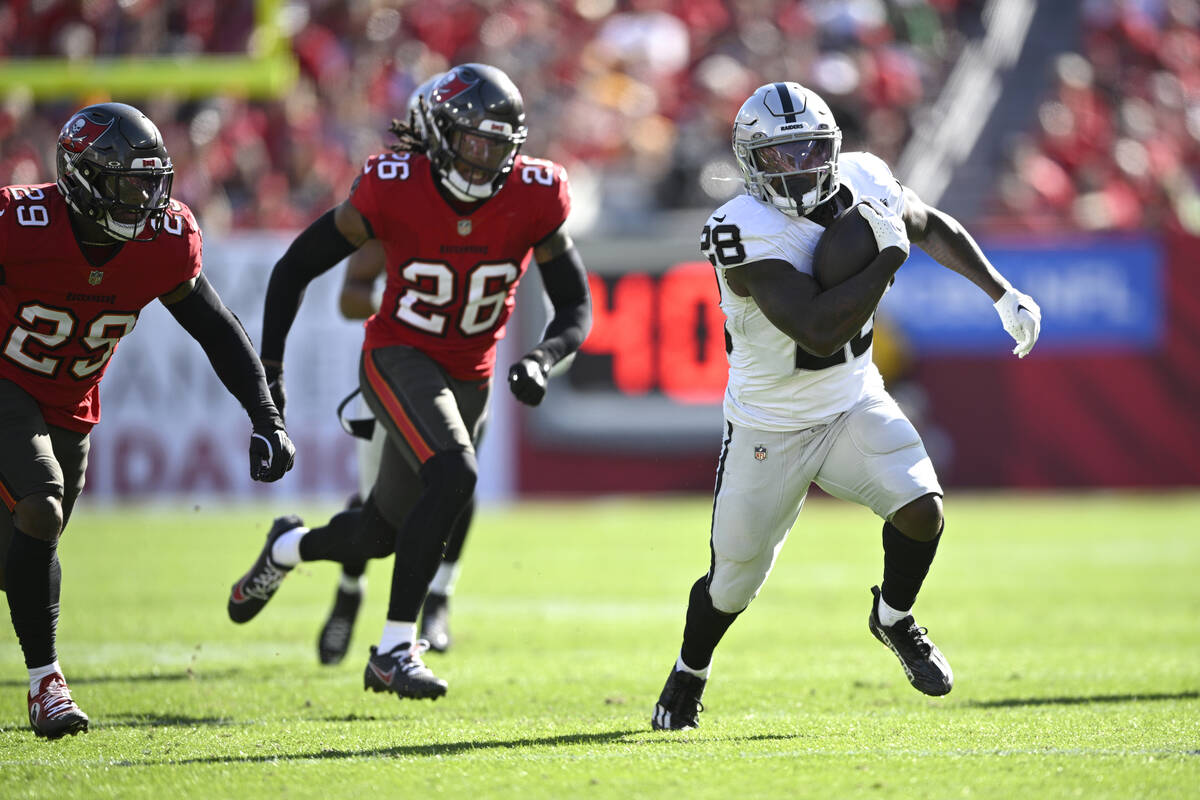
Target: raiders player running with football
[804,402]
[458,212]
[78,261]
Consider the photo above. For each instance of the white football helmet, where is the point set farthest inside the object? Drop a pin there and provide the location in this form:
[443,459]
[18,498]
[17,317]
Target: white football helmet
[787,144]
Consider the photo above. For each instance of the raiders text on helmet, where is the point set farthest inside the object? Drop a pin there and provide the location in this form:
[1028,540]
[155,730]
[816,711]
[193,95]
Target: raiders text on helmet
[475,123]
[114,170]
[786,142]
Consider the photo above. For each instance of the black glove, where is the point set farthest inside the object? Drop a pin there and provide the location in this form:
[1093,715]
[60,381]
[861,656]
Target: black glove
[271,454]
[275,385]
[527,379]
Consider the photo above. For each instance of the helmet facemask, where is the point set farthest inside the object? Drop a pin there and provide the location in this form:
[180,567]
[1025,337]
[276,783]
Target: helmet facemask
[128,204]
[797,175]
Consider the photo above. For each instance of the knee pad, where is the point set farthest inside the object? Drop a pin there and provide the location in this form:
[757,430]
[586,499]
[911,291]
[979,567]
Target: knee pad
[452,473]
[39,516]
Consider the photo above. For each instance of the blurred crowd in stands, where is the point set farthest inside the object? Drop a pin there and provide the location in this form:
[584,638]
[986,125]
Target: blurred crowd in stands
[1116,144]
[635,97]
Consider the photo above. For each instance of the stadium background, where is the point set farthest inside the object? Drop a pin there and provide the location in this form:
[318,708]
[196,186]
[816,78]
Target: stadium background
[1065,135]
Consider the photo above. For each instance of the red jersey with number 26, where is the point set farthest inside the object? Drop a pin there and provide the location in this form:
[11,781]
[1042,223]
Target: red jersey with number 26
[60,317]
[451,277]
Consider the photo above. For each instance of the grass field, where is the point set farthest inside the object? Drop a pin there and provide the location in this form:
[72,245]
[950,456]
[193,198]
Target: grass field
[1073,624]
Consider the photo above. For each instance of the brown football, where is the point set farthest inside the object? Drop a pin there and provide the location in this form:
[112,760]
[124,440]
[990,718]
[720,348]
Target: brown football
[845,249]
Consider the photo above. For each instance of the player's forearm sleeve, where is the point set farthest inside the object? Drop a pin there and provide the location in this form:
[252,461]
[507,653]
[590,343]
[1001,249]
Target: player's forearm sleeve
[317,249]
[566,285]
[220,333]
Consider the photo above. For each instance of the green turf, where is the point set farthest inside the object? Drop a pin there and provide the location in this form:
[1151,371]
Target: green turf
[1072,625]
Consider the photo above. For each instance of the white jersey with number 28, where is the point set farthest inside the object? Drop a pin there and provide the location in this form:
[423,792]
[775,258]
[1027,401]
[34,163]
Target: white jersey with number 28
[774,384]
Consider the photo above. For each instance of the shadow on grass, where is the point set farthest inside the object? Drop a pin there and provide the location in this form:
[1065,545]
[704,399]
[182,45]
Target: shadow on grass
[444,749]
[149,677]
[1018,702]
[162,721]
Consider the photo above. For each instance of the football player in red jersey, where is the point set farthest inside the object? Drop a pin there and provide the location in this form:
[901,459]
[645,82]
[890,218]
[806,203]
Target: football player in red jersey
[79,259]
[359,299]
[458,211]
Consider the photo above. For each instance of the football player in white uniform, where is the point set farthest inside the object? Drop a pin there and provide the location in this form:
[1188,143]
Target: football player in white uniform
[804,402]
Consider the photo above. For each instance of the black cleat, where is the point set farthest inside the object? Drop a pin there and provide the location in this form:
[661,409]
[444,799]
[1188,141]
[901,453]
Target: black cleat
[926,667]
[335,635]
[679,704]
[52,712]
[255,588]
[435,622]
[401,671]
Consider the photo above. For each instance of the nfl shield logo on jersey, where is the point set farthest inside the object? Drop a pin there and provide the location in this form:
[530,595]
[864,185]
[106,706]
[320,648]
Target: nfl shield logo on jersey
[760,453]
[95,277]
[464,227]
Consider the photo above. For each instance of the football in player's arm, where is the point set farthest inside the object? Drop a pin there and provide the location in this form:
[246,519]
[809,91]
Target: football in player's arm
[458,211]
[79,259]
[804,403]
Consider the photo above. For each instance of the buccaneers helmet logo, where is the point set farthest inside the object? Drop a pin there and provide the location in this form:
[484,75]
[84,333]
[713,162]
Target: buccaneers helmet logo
[80,132]
[451,86]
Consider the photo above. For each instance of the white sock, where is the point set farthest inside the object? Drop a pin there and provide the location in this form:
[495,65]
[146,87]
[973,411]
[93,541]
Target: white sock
[396,634]
[36,674]
[286,550]
[352,584]
[699,673]
[444,579]
[889,616]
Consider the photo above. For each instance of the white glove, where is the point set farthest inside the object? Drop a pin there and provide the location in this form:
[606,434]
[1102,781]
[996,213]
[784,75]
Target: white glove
[1022,318]
[885,224]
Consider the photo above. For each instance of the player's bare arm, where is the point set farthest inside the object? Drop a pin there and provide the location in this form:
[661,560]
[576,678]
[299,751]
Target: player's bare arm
[819,321]
[357,299]
[945,239]
[199,310]
[565,280]
[948,242]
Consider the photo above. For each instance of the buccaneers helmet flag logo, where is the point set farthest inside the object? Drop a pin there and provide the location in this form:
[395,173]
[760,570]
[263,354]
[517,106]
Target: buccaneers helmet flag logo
[451,86]
[79,132]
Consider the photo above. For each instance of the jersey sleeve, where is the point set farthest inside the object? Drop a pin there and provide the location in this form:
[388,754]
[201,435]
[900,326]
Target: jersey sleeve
[742,232]
[364,193]
[180,220]
[557,205]
[872,177]
[5,221]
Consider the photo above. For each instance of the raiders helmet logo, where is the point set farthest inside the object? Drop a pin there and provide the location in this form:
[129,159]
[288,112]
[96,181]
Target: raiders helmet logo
[760,453]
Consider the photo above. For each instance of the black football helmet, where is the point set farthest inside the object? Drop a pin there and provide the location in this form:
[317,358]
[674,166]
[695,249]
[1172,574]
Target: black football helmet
[113,169]
[475,124]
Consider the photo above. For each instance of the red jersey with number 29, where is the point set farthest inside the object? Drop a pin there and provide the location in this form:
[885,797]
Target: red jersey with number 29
[61,318]
[451,278]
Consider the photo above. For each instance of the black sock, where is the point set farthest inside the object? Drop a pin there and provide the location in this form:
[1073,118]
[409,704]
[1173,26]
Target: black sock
[704,627]
[34,586]
[905,564]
